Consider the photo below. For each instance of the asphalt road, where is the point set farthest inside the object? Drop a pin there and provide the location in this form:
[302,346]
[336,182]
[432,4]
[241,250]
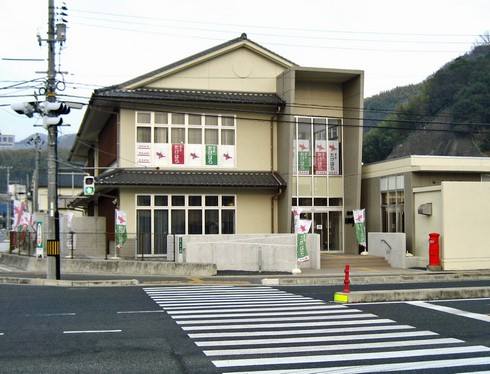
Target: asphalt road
[125,330]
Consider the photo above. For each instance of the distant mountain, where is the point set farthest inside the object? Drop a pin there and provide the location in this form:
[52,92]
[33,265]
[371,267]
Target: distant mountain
[378,107]
[447,114]
[64,141]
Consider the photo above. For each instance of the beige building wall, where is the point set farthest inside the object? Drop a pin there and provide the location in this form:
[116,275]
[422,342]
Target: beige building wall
[423,225]
[254,149]
[254,134]
[253,209]
[254,214]
[328,97]
[465,223]
[239,70]
[62,192]
[127,141]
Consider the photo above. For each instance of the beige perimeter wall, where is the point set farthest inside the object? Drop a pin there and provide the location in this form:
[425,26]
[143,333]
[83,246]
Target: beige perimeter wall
[466,221]
[461,214]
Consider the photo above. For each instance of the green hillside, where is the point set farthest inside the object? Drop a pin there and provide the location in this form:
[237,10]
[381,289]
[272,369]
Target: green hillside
[455,101]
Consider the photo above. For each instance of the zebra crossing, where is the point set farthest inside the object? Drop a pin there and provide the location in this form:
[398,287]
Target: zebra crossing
[262,330]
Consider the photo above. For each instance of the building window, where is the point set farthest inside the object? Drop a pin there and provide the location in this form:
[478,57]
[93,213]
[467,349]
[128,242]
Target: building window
[159,215]
[392,203]
[185,140]
[317,146]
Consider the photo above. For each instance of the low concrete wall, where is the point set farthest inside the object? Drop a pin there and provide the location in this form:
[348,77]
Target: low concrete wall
[248,252]
[89,236]
[85,266]
[391,246]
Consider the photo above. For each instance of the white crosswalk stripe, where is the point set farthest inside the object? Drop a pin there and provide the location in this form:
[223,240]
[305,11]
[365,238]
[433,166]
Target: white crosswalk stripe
[261,330]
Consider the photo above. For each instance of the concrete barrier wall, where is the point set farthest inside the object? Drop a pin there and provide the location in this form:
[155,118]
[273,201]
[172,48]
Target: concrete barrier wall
[392,247]
[86,266]
[89,236]
[248,252]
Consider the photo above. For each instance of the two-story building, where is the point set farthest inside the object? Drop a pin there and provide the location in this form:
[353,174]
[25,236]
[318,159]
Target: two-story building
[226,141]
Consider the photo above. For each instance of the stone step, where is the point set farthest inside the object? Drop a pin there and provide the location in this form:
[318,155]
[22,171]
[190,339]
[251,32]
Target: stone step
[328,260]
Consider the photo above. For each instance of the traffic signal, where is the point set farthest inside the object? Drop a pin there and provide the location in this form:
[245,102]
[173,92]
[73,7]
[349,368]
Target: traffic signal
[88,185]
[52,111]
[25,108]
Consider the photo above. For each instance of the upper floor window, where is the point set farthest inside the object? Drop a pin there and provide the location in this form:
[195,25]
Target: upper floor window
[317,146]
[185,139]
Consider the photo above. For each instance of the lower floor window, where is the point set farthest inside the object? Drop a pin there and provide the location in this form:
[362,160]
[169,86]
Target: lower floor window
[160,215]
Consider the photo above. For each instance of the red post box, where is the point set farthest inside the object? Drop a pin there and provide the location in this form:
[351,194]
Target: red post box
[434,259]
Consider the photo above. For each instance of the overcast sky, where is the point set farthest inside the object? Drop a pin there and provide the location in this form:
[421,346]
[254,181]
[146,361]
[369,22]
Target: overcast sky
[395,42]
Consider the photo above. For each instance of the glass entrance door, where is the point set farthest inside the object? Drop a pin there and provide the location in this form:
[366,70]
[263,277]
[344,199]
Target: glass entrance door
[328,226]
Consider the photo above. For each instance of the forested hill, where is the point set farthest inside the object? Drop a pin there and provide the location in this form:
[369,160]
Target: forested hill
[447,114]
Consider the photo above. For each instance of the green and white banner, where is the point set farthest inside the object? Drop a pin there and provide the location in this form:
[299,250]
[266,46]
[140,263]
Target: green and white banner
[360,226]
[39,240]
[211,154]
[121,228]
[302,227]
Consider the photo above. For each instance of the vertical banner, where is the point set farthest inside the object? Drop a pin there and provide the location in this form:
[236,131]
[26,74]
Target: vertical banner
[178,154]
[194,155]
[333,157]
[161,154]
[121,232]
[360,227]
[320,157]
[39,240]
[211,154]
[143,154]
[304,157]
[302,227]
[227,156]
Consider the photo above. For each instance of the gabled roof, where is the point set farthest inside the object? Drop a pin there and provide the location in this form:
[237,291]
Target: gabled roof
[191,178]
[226,46]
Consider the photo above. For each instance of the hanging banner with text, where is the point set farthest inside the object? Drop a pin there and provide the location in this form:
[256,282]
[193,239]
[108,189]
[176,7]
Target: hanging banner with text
[39,240]
[321,157]
[211,154]
[360,226]
[178,154]
[121,228]
[333,157]
[302,227]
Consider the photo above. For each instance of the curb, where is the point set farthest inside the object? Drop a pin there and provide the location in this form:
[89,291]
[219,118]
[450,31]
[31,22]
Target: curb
[68,283]
[372,279]
[411,294]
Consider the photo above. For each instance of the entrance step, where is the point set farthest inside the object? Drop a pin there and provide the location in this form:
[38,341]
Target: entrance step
[335,261]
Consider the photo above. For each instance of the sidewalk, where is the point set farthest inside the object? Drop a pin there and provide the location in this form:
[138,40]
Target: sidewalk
[414,284]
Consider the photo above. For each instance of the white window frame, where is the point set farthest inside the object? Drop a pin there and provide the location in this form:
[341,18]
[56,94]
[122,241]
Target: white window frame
[186,207]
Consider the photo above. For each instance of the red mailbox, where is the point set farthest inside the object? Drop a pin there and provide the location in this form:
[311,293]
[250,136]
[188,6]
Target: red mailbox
[434,259]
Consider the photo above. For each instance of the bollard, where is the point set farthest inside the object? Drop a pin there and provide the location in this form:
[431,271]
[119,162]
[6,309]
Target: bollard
[347,278]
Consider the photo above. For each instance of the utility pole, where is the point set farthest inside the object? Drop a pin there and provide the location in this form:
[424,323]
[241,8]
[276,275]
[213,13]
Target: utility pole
[50,110]
[53,270]
[37,142]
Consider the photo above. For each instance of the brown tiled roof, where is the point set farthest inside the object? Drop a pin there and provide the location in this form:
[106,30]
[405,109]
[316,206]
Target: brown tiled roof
[229,97]
[191,178]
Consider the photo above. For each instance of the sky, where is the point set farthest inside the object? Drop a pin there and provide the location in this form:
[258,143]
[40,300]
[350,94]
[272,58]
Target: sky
[108,42]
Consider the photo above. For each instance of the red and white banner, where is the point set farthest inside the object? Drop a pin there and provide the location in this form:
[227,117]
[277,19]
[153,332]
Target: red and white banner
[178,155]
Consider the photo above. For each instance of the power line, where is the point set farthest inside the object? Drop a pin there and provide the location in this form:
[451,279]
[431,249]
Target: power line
[314,37]
[315,30]
[273,43]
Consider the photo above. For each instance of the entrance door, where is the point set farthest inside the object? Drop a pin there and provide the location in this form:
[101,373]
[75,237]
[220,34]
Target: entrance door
[328,226]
